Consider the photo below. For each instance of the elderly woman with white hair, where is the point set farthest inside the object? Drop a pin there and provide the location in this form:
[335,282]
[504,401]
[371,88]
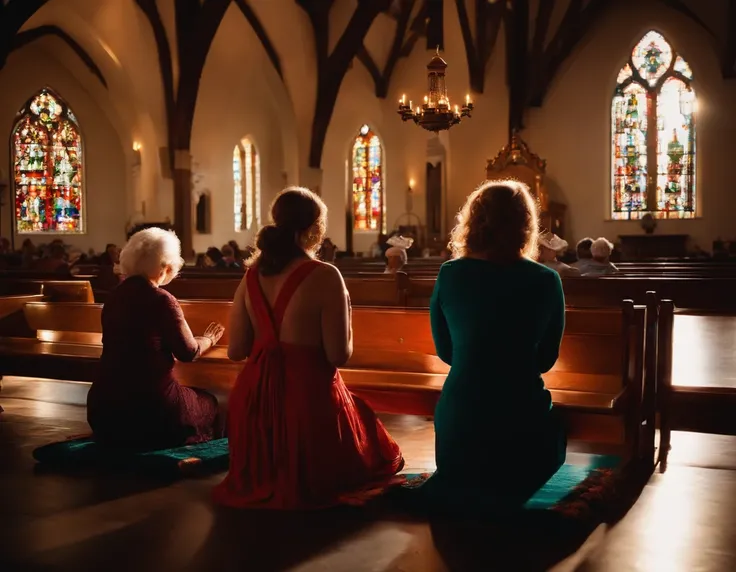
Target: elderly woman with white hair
[600,265]
[136,401]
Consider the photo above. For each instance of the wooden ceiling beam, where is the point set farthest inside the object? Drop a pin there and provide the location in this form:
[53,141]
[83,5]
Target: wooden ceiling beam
[12,17]
[516,25]
[332,67]
[489,18]
[728,61]
[260,31]
[401,46]
[576,22]
[26,37]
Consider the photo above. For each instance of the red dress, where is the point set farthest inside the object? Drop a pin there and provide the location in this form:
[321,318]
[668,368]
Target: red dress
[298,438]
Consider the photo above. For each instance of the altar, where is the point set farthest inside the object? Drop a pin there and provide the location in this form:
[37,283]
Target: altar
[516,161]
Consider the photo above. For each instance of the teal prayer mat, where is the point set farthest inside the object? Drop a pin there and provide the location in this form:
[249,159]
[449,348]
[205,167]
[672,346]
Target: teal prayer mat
[188,460]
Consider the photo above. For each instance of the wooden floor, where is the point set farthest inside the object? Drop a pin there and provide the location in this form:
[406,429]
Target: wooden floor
[684,520]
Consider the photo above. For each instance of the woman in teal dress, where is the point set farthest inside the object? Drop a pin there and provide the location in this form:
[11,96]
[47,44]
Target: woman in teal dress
[497,320]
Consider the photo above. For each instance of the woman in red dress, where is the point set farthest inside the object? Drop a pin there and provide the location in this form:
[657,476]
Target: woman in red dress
[136,402]
[298,438]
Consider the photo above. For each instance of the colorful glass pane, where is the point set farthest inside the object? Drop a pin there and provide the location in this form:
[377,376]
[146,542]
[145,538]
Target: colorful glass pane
[653,132]
[652,57]
[629,128]
[624,74]
[681,66]
[47,167]
[367,186]
[238,188]
[248,160]
[675,153]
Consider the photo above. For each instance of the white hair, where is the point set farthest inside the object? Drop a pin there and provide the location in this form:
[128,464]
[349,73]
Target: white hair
[601,248]
[149,251]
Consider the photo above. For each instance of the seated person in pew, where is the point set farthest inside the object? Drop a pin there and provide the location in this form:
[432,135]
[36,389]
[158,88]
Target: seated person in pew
[298,438]
[396,255]
[136,402]
[497,319]
[584,256]
[549,246]
[601,264]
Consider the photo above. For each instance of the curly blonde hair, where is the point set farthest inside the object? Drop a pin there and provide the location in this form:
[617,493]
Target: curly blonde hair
[499,219]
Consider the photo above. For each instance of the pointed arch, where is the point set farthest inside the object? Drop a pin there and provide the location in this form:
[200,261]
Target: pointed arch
[653,134]
[47,158]
[367,188]
[246,186]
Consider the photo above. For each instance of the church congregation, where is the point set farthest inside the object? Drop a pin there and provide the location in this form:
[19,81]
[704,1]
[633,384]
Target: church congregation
[347,285]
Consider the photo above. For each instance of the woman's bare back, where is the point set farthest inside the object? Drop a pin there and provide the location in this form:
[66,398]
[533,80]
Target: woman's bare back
[317,315]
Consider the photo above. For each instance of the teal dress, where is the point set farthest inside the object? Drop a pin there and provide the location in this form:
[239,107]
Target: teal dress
[497,437]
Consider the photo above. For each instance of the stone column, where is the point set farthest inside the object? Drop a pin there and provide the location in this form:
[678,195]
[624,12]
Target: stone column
[183,201]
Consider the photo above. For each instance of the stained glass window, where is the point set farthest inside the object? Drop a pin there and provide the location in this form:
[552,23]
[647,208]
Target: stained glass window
[238,188]
[47,158]
[369,206]
[653,134]
[247,186]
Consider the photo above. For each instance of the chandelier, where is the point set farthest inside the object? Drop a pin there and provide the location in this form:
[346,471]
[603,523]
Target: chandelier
[436,113]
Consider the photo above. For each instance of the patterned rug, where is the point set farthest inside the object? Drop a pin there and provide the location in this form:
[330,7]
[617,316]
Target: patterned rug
[190,460]
[578,490]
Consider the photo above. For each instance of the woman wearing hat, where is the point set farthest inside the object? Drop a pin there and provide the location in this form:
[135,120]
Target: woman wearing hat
[550,245]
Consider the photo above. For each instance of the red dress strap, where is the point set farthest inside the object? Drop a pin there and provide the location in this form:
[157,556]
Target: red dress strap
[259,304]
[292,282]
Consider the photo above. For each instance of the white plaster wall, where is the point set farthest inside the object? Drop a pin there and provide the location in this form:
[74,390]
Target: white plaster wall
[106,169]
[572,129]
[239,98]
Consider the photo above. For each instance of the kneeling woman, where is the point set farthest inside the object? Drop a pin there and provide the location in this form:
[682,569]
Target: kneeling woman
[136,402]
[497,319]
[298,438]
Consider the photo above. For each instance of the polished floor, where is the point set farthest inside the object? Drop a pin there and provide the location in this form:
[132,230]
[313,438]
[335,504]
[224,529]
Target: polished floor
[684,520]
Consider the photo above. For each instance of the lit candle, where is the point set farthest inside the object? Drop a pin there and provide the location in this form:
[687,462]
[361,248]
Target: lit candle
[419,111]
[457,111]
[411,103]
[467,99]
[426,99]
[403,99]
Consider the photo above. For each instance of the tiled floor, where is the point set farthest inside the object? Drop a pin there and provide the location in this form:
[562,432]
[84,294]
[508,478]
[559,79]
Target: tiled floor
[685,520]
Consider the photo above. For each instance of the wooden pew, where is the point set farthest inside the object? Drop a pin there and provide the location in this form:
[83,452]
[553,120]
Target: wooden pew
[597,383]
[52,290]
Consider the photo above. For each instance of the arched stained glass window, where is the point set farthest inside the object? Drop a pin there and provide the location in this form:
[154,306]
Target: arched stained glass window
[246,186]
[653,134]
[47,159]
[369,205]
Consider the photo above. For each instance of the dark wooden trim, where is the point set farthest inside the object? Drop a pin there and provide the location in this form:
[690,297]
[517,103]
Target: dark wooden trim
[488,19]
[517,41]
[260,31]
[575,24]
[398,47]
[541,28]
[27,36]
[166,68]
[729,54]
[331,68]
[196,26]
[12,17]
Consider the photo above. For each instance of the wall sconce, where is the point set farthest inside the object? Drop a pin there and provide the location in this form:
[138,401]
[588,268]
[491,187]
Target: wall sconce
[411,186]
[410,196]
[136,154]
